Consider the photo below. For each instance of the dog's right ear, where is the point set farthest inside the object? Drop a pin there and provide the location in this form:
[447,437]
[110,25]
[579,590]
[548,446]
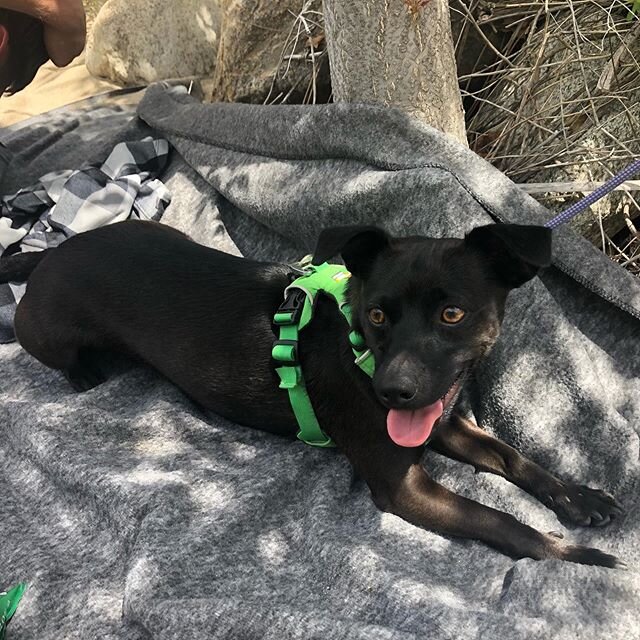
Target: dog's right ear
[358,245]
[516,252]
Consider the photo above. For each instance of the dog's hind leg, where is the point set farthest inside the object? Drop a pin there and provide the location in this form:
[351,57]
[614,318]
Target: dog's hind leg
[58,346]
[462,440]
[84,373]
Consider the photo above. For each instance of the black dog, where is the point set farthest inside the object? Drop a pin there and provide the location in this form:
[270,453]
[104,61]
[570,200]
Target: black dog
[428,309]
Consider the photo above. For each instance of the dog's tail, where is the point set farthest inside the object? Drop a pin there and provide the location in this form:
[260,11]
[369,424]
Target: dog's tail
[18,267]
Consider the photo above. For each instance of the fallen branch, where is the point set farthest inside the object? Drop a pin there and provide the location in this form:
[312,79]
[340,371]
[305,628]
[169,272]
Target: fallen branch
[574,187]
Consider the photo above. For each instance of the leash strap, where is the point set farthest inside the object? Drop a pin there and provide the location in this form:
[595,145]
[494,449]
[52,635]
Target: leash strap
[293,315]
[594,196]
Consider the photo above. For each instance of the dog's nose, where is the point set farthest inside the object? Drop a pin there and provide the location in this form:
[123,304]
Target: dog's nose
[397,396]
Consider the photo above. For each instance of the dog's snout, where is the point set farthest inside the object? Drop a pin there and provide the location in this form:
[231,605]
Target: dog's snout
[397,381]
[398,395]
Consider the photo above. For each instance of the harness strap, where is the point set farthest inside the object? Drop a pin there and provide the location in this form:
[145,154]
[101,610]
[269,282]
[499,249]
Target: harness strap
[293,315]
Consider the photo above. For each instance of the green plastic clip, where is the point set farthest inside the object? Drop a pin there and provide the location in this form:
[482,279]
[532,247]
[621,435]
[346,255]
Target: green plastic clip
[357,341]
[285,351]
[283,318]
[9,601]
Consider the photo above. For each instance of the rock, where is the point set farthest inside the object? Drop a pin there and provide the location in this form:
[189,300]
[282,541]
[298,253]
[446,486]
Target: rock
[142,41]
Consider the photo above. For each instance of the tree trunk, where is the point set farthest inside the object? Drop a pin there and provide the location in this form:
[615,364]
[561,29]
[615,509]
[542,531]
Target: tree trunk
[398,53]
[267,53]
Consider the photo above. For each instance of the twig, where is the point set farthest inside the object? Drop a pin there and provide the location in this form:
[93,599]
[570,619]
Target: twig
[574,187]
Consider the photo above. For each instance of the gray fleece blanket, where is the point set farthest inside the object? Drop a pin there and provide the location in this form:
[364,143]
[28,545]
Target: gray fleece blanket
[132,515]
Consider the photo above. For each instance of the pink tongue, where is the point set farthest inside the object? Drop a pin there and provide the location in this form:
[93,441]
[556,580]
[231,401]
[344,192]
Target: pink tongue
[413,428]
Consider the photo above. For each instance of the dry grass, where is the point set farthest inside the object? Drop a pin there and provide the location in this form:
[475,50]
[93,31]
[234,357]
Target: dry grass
[305,41]
[625,248]
[561,72]
[554,94]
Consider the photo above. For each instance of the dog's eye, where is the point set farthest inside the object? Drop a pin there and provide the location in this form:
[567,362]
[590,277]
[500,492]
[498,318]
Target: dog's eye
[376,316]
[452,315]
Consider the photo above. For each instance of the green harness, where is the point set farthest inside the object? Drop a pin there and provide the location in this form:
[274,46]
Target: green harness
[293,315]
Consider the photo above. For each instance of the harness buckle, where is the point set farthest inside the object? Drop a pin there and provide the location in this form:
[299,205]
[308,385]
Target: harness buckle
[290,311]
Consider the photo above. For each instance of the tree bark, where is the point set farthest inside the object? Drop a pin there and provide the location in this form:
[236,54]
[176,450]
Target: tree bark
[264,53]
[398,53]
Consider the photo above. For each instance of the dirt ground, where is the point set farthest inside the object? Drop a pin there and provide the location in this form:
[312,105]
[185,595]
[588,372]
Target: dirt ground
[53,87]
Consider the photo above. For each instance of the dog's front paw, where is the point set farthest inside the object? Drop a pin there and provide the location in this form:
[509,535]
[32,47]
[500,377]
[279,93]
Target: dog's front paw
[577,504]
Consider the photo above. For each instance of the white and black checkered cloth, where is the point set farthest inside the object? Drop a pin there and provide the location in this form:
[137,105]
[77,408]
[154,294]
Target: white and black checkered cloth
[64,203]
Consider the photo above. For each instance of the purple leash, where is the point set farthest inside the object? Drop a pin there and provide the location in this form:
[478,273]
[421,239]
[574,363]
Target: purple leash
[594,196]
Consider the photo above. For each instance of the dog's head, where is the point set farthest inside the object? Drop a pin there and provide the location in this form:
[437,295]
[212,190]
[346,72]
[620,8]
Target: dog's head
[430,308]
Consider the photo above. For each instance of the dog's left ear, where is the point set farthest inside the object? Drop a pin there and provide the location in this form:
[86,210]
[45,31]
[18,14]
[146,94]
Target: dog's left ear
[516,251]
[358,245]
